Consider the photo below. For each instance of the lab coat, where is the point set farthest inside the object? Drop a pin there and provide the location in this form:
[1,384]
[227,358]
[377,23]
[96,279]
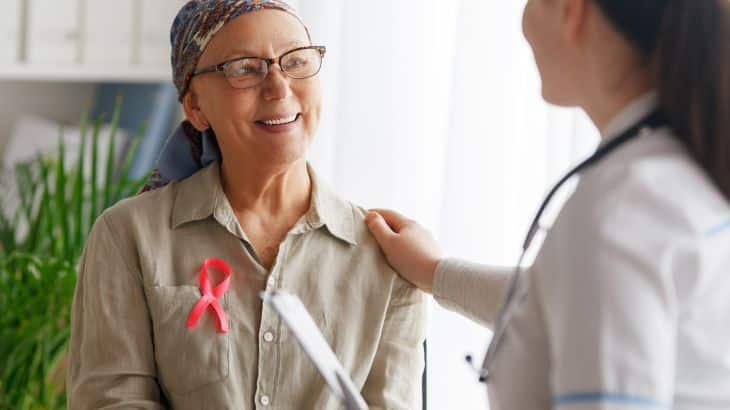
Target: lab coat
[627,303]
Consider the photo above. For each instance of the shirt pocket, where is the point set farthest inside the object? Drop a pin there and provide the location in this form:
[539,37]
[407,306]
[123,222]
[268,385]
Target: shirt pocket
[187,359]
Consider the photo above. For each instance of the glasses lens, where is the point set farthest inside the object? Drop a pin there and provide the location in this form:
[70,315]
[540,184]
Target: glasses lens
[246,72]
[302,63]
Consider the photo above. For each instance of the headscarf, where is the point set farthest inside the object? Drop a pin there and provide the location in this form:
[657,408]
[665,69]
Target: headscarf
[187,150]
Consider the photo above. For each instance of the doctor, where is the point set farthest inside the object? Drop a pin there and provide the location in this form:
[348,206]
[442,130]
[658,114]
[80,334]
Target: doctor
[627,302]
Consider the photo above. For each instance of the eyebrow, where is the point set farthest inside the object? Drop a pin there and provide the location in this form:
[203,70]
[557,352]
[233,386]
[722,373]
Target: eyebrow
[248,53]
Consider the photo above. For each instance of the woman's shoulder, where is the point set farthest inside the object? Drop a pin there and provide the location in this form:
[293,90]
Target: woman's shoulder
[364,240]
[656,184]
[362,233]
[122,230]
[649,216]
[645,206]
[155,205]
[142,216]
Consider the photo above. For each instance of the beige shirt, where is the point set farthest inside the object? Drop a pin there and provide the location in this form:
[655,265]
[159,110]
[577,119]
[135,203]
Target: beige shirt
[138,281]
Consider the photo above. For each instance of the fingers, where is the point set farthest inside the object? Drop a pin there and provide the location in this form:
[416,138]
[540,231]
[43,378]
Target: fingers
[379,228]
[395,220]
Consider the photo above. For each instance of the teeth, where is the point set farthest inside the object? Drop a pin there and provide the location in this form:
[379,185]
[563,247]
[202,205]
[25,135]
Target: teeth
[281,121]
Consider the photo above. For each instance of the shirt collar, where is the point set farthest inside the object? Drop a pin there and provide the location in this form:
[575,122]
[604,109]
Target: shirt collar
[630,115]
[201,196]
[197,196]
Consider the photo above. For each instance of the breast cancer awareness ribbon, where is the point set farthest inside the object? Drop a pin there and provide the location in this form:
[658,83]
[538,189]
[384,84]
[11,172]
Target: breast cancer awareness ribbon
[210,295]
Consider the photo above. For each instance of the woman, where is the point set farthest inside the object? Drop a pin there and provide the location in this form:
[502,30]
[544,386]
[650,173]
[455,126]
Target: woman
[167,309]
[626,304]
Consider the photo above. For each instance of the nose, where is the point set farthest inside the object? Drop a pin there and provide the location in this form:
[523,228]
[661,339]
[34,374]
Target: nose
[276,84]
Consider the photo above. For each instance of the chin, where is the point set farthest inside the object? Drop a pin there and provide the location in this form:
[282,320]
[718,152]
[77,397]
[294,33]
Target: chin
[556,98]
[287,154]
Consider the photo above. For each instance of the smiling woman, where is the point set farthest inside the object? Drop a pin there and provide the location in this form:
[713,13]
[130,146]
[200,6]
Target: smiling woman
[233,185]
[264,121]
[266,118]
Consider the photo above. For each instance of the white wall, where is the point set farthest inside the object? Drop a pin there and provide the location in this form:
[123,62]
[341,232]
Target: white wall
[447,125]
[62,102]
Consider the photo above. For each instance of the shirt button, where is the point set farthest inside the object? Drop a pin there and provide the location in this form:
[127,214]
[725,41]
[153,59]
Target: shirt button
[268,337]
[265,400]
[271,281]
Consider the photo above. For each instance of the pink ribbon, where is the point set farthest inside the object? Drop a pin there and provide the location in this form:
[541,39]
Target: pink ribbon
[211,295]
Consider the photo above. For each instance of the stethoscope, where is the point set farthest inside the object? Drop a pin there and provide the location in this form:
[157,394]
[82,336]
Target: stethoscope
[654,120]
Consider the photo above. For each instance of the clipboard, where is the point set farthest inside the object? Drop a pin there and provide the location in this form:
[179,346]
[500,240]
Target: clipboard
[301,324]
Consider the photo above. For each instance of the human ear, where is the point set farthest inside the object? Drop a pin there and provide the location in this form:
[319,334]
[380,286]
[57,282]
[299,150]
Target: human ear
[573,19]
[193,112]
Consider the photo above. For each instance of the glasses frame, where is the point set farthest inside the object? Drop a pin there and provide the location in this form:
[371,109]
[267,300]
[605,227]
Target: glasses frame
[269,62]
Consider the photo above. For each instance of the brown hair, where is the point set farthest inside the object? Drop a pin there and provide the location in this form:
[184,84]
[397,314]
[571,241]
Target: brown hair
[688,43]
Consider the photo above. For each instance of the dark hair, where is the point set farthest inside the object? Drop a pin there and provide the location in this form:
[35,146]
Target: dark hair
[688,44]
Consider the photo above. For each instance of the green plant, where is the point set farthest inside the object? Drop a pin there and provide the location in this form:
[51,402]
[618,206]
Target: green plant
[40,244]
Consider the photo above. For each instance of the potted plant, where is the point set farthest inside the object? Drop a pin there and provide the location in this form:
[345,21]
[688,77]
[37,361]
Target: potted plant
[40,244]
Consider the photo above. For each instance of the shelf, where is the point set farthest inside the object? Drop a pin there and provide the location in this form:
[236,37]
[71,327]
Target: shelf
[83,74]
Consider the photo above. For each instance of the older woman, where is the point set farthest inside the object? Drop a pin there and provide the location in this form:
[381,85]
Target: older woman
[244,198]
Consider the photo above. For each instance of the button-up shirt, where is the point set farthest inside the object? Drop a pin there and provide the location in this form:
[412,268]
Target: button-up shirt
[139,280]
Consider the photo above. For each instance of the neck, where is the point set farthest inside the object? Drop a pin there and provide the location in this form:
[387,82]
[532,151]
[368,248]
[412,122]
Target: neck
[608,103]
[274,190]
[614,79]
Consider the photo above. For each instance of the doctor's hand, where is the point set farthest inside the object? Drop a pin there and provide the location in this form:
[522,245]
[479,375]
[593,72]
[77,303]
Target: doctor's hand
[409,247]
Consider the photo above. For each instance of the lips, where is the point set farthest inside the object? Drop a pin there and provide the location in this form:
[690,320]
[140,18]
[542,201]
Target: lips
[279,120]
[282,124]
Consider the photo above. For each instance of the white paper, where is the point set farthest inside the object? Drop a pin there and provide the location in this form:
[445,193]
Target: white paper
[108,32]
[10,31]
[295,316]
[156,21]
[53,31]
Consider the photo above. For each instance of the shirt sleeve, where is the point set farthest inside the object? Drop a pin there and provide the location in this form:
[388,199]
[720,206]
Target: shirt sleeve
[111,359]
[470,289]
[394,379]
[611,312]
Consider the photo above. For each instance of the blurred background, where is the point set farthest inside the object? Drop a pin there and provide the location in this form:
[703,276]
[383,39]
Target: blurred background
[431,107]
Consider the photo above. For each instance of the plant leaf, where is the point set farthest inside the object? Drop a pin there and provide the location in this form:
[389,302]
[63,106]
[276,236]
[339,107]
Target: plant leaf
[110,157]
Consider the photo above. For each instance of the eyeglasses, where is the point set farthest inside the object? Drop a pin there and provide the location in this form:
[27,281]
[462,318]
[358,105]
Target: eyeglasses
[247,72]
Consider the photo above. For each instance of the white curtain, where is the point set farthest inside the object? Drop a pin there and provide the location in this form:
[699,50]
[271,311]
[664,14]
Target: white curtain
[433,108]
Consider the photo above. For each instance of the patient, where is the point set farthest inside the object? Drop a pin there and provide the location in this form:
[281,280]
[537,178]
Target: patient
[234,190]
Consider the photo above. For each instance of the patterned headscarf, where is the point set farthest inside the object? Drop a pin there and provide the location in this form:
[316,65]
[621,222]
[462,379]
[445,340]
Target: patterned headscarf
[196,24]
[187,150]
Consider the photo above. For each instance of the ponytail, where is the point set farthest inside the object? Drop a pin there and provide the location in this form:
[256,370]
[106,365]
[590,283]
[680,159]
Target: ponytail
[693,67]
[688,44]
